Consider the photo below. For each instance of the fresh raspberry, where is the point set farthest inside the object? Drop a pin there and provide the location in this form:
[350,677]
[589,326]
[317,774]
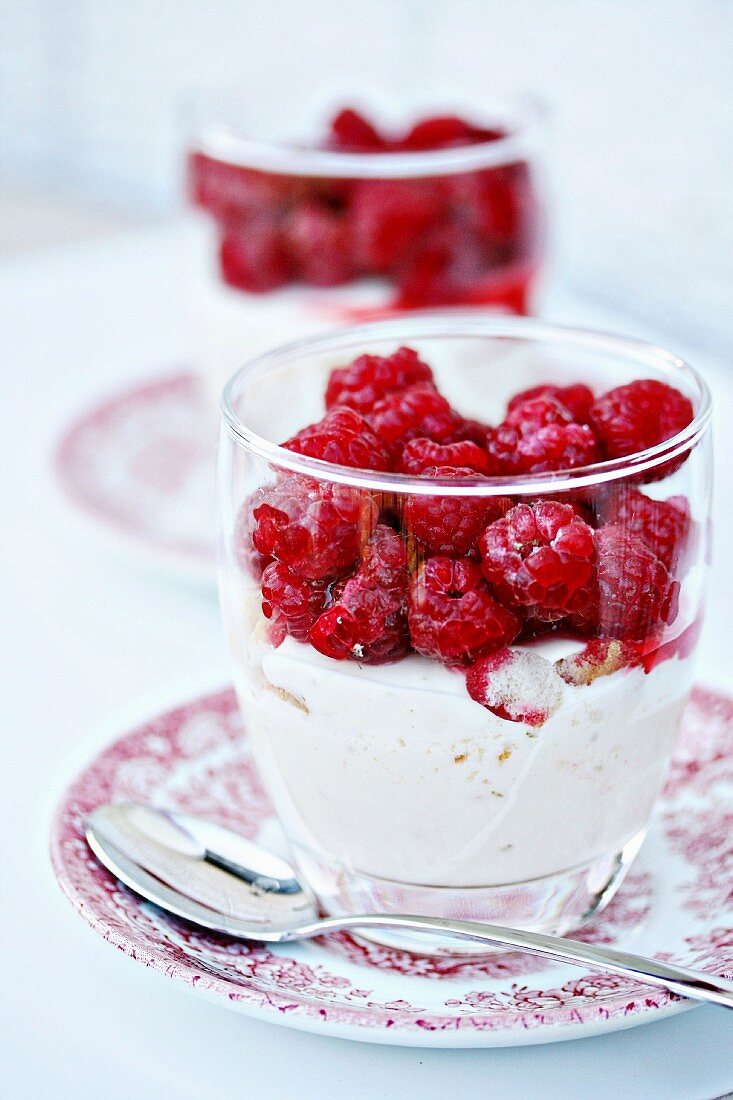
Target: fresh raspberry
[372,377]
[247,557]
[420,454]
[367,619]
[451,525]
[633,594]
[535,413]
[411,413]
[253,256]
[500,205]
[389,217]
[663,525]
[318,242]
[516,684]
[352,133]
[556,446]
[316,528]
[599,658]
[445,267]
[452,615]
[233,192]
[291,603]
[344,438]
[473,431]
[577,399]
[446,131]
[631,418]
[540,557]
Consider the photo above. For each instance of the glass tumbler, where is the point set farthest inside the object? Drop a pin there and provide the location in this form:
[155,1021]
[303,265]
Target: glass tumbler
[296,226]
[462,689]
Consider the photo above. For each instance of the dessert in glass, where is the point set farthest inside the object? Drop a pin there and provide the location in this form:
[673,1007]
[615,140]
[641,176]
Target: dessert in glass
[305,219]
[462,574]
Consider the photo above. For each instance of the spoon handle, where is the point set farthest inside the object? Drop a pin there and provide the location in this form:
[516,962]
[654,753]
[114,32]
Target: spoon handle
[694,984]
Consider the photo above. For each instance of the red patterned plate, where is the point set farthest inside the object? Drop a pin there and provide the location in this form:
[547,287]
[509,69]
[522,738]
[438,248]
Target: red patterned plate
[142,464]
[676,903]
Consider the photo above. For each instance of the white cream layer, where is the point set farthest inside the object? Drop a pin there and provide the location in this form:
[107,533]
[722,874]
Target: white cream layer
[394,771]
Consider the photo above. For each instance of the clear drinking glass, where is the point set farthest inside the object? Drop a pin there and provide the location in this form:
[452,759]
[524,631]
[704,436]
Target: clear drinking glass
[291,234]
[396,789]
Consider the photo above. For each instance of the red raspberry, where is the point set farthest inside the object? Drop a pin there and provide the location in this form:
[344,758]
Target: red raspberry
[599,658]
[233,192]
[633,594]
[367,619]
[556,446]
[500,205]
[420,454]
[516,684]
[352,133]
[344,438]
[371,377]
[663,525]
[576,399]
[452,615]
[446,266]
[388,218]
[445,131]
[414,412]
[539,556]
[535,413]
[451,525]
[253,256]
[631,418]
[291,603]
[316,528]
[318,243]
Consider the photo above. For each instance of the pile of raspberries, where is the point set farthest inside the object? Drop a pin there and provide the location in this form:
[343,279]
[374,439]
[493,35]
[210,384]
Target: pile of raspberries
[437,239]
[371,576]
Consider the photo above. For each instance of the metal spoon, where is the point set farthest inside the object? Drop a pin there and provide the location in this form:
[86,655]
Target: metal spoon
[214,878]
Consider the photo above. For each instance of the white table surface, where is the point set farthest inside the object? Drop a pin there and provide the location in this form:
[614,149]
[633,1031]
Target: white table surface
[96,640]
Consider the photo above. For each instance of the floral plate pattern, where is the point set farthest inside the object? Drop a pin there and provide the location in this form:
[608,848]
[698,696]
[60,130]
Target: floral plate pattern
[142,464]
[677,903]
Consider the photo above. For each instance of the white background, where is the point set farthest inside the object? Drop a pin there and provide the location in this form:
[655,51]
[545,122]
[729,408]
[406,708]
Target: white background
[642,145]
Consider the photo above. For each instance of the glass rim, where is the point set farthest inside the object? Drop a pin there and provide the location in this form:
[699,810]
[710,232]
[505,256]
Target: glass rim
[523,118]
[456,323]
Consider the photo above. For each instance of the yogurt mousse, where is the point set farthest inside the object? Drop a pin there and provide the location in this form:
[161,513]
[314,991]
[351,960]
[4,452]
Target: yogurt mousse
[394,770]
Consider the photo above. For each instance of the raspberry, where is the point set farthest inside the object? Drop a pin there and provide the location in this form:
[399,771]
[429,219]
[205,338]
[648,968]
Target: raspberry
[663,525]
[576,399]
[420,454]
[317,240]
[291,603]
[367,619]
[452,615]
[372,377]
[517,685]
[599,658]
[316,528]
[631,418]
[445,131]
[446,266]
[633,594]
[351,132]
[247,557]
[451,525]
[233,192]
[253,256]
[417,411]
[344,438]
[556,446]
[537,412]
[389,217]
[540,557]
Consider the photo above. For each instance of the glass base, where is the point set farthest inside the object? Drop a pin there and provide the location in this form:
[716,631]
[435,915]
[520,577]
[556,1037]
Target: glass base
[555,904]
